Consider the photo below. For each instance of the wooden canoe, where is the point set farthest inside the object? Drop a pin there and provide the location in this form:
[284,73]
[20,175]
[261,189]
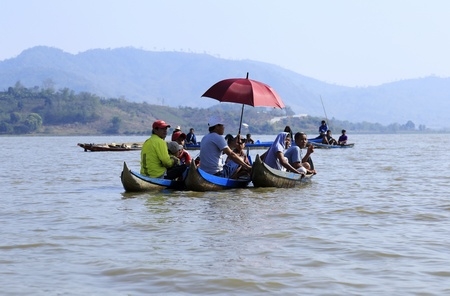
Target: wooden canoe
[135,182]
[199,180]
[265,176]
[110,147]
[327,146]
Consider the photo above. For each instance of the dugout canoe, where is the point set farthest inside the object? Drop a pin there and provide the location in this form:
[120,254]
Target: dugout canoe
[327,146]
[135,182]
[110,147]
[265,176]
[199,180]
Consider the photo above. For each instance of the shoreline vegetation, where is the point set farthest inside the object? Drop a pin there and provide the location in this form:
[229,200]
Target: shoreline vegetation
[48,112]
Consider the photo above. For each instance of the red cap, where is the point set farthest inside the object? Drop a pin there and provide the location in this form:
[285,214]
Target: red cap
[160,124]
[178,135]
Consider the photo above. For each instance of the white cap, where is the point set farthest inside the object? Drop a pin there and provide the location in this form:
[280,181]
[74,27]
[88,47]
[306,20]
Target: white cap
[215,120]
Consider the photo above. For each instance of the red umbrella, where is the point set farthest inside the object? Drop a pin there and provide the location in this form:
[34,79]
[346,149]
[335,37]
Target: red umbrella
[246,92]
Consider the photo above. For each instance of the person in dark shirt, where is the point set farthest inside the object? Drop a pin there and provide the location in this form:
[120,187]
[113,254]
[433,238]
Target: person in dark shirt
[190,137]
[323,128]
[328,139]
[343,138]
[249,140]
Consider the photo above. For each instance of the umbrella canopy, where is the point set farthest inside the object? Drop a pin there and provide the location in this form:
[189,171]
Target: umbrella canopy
[246,92]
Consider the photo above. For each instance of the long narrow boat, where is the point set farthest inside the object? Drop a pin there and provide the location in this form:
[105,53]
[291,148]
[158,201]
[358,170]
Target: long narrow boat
[256,145]
[327,146]
[315,140]
[135,182]
[199,180]
[265,176]
[110,147]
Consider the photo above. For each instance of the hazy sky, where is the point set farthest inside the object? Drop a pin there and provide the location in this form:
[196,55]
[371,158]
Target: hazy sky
[346,42]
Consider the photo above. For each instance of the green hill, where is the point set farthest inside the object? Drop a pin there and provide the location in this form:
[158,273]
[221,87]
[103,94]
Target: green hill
[179,79]
[64,112]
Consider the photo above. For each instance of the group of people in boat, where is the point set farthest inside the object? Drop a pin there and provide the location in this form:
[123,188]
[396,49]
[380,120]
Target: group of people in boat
[160,159]
[327,138]
[287,155]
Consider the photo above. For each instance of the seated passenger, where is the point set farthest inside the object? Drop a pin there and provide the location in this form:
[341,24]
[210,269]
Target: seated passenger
[155,159]
[343,138]
[274,156]
[175,150]
[328,139]
[190,137]
[249,140]
[184,157]
[231,141]
[234,169]
[177,129]
[294,154]
[213,145]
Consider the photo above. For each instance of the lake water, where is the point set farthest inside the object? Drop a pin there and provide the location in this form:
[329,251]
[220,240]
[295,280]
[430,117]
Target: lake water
[375,220]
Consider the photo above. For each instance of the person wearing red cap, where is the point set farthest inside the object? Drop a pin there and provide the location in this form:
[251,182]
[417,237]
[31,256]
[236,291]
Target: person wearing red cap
[155,158]
[184,156]
[177,130]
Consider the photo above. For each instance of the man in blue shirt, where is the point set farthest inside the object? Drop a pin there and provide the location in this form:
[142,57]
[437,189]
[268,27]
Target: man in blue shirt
[294,154]
[213,145]
[190,137]
[323,128]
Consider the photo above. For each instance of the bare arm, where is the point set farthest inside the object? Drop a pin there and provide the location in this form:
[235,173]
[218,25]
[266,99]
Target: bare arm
[286,164]
[309,151]
[233,156]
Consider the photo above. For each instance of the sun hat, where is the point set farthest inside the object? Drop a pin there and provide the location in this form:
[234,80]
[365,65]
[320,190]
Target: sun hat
[178,128]
[160,124]
[215,120]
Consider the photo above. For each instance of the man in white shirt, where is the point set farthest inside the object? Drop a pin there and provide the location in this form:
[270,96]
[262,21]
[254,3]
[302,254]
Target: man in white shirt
[213,145]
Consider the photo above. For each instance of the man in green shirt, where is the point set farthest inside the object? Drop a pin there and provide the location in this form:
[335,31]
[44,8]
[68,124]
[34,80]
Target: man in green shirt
[155,158]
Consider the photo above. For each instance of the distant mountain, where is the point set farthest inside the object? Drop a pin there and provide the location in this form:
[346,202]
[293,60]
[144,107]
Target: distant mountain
[179,79]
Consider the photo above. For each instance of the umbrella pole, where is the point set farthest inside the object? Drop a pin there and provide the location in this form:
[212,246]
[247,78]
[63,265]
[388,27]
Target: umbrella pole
[242,113]
[240,123]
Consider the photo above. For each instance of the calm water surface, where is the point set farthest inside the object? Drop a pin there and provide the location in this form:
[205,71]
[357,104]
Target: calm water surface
[375,220]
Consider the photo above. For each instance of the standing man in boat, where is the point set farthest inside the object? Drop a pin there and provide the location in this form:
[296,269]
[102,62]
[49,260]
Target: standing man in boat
[212,147]
[323,128]
[294,154]
[155,158]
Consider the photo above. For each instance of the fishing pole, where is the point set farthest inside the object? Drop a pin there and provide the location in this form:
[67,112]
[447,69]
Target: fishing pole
[323,106]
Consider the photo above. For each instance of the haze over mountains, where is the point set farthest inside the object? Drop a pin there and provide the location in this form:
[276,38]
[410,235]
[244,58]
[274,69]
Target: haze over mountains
[179,79]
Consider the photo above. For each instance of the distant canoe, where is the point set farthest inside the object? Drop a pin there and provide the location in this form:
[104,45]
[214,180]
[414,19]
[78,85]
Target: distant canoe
[327,146]
[110,147]
[256,145]
[199,180]
[135,182]
[265,176]
[315,140]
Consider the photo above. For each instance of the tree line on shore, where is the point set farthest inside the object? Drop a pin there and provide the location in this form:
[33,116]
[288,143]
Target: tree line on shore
[63,112]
